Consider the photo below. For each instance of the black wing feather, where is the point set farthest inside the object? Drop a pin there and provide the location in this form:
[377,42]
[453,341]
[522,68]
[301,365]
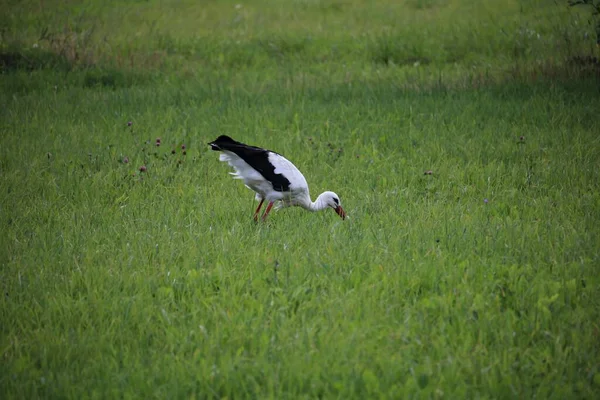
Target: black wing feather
[256,157]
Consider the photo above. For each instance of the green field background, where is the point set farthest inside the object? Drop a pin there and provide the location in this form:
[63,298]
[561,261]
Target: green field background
[462,137]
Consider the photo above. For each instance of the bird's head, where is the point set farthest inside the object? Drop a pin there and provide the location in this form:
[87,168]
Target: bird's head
[332,200]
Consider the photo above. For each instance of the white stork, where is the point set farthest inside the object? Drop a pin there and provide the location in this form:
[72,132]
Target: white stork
[272,177]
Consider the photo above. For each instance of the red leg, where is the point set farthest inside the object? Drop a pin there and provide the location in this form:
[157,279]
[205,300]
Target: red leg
[267,210]
[258,209]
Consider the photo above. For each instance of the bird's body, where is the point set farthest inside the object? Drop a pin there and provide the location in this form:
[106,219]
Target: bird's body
[273,177]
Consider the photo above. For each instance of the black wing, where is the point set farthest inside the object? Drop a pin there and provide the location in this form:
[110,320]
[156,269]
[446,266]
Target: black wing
[256,157]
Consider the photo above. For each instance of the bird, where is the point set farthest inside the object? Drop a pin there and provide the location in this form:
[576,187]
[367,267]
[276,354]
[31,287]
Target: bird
[273,177]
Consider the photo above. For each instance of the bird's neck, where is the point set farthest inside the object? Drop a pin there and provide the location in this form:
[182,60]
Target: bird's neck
[317,205]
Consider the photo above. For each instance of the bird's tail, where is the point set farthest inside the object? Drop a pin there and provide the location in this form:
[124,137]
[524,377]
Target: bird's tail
[222,143]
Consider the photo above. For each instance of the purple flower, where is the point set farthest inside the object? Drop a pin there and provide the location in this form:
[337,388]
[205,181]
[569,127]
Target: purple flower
[129,123]
[125,160]
[143,168]
[485,201]
[183,147]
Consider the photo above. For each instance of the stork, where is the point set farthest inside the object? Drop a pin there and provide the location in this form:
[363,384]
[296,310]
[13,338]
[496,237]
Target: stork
[273,177]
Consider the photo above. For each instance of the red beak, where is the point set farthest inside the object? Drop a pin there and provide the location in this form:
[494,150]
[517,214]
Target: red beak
[340,211]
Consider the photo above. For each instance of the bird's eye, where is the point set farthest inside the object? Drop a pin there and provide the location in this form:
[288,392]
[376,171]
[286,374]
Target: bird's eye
[336,201]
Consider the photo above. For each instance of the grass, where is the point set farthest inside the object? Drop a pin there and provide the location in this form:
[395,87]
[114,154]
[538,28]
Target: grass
[477,280]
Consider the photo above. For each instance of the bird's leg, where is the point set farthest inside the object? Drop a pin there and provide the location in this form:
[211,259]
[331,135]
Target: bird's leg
[258,209]
[267,210]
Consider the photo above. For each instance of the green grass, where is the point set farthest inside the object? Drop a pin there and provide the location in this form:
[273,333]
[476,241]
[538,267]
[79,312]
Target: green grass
[477,281]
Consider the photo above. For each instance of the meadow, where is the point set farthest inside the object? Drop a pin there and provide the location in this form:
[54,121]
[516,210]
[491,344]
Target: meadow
[462,138]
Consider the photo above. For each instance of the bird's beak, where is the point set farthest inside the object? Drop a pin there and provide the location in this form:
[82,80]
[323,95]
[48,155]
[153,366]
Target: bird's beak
[340,211]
